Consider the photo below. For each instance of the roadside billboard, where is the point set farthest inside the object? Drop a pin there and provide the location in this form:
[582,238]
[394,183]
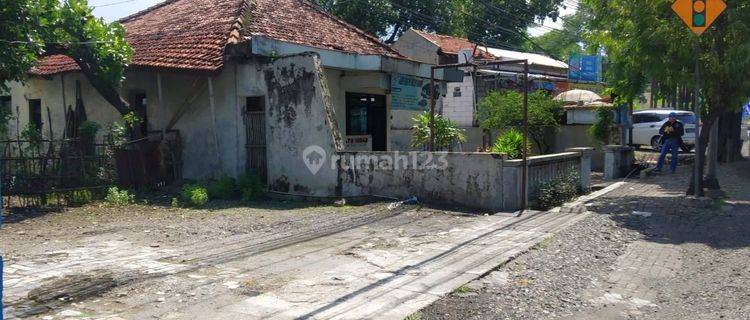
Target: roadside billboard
[585,68]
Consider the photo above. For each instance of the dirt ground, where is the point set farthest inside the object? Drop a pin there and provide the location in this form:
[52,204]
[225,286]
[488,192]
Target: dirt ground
[646,252]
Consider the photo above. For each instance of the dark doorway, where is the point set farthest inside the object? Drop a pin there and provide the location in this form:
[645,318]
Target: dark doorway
[255,133]
[35,113]
[366,114]
[139,104]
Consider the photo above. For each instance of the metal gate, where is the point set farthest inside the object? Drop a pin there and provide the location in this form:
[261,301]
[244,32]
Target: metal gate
[255,132]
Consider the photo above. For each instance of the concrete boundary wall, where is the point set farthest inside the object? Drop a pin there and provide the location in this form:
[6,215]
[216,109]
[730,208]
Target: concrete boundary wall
[473,180]
[540,170]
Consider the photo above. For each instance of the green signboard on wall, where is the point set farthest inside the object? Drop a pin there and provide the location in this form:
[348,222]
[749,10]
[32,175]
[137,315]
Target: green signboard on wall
[410,93]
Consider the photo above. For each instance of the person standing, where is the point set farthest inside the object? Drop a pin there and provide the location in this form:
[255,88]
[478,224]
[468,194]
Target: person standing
[671,136]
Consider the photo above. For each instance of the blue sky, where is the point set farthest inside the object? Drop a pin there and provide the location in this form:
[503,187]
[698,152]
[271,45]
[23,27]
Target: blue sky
[112,10]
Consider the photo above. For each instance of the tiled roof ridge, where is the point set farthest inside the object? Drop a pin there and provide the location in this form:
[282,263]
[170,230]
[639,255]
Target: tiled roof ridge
[350,26]
[441,35]
[147,10]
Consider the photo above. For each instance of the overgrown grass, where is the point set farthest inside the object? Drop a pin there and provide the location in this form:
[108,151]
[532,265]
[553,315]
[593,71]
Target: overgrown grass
[415,316]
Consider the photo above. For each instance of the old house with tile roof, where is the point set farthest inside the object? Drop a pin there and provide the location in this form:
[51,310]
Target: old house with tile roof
[225,74]
[461,97]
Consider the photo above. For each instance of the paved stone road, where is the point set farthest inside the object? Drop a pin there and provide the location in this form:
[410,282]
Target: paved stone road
[648,252]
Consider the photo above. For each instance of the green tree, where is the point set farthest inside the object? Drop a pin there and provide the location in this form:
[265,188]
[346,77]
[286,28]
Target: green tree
[477,20]
[646,39]
[601,130]
[30,29]
[503,110]
[569,40]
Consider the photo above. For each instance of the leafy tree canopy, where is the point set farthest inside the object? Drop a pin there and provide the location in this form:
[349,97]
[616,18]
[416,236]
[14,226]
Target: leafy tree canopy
[571,39]
[30,29]
[489,22]
[645,39]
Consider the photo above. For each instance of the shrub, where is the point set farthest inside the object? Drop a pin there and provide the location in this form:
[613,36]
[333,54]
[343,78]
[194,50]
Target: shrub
[225,188]
[119,197]
[601,130]
[447,132]
[194,195]
[88,129]
[250,186]
[501,110]
[5,116]
[557,191]
[511,144]
[34,136]
[175,202]
[80,197]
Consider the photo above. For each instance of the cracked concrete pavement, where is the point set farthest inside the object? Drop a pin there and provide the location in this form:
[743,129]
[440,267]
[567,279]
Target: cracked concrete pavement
[375,263]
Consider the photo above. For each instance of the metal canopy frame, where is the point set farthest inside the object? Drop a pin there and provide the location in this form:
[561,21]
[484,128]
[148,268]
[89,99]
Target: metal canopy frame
[475,66]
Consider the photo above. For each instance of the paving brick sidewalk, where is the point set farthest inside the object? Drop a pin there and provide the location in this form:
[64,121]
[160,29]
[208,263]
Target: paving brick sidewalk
[646,252]
[685,253]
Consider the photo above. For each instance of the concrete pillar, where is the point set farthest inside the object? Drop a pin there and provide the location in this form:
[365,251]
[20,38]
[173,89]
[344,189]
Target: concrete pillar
[618,161]
[585,169]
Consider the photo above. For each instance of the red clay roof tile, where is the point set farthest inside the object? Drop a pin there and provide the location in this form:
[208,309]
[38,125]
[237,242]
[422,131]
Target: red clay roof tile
[53,65]
[452,45]
[192,34]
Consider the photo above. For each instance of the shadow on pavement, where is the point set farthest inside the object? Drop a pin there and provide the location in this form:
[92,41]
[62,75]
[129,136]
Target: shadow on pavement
[658,208]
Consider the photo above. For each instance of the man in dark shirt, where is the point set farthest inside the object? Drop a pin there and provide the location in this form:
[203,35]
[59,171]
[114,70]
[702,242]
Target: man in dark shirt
[671,135]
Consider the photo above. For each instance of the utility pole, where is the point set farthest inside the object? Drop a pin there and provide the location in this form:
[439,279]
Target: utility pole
[698,164]
[525,170]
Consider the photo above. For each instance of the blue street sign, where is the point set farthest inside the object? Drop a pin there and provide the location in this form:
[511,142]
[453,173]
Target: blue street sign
[585,68]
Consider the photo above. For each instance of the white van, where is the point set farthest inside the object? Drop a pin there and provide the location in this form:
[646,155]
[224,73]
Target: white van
[646,125]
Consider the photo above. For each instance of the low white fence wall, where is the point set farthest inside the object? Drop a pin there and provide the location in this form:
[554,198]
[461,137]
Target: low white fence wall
[475,180]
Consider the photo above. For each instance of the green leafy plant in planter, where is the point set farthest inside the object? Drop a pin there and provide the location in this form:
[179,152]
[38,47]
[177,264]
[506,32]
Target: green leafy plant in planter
[511,144]
[447,132]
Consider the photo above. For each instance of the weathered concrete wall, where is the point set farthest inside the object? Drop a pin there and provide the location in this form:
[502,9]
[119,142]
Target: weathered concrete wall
[301,128]
[199,153]
[540,170]
[50,92]
[472,180]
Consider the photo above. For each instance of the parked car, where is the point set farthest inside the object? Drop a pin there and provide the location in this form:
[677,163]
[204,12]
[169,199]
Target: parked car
[646,125]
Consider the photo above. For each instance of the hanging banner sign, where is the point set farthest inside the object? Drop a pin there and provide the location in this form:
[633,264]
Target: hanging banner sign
[585,68]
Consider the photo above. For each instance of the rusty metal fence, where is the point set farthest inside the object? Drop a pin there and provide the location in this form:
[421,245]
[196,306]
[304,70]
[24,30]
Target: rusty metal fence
[74,171]
[53,172]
